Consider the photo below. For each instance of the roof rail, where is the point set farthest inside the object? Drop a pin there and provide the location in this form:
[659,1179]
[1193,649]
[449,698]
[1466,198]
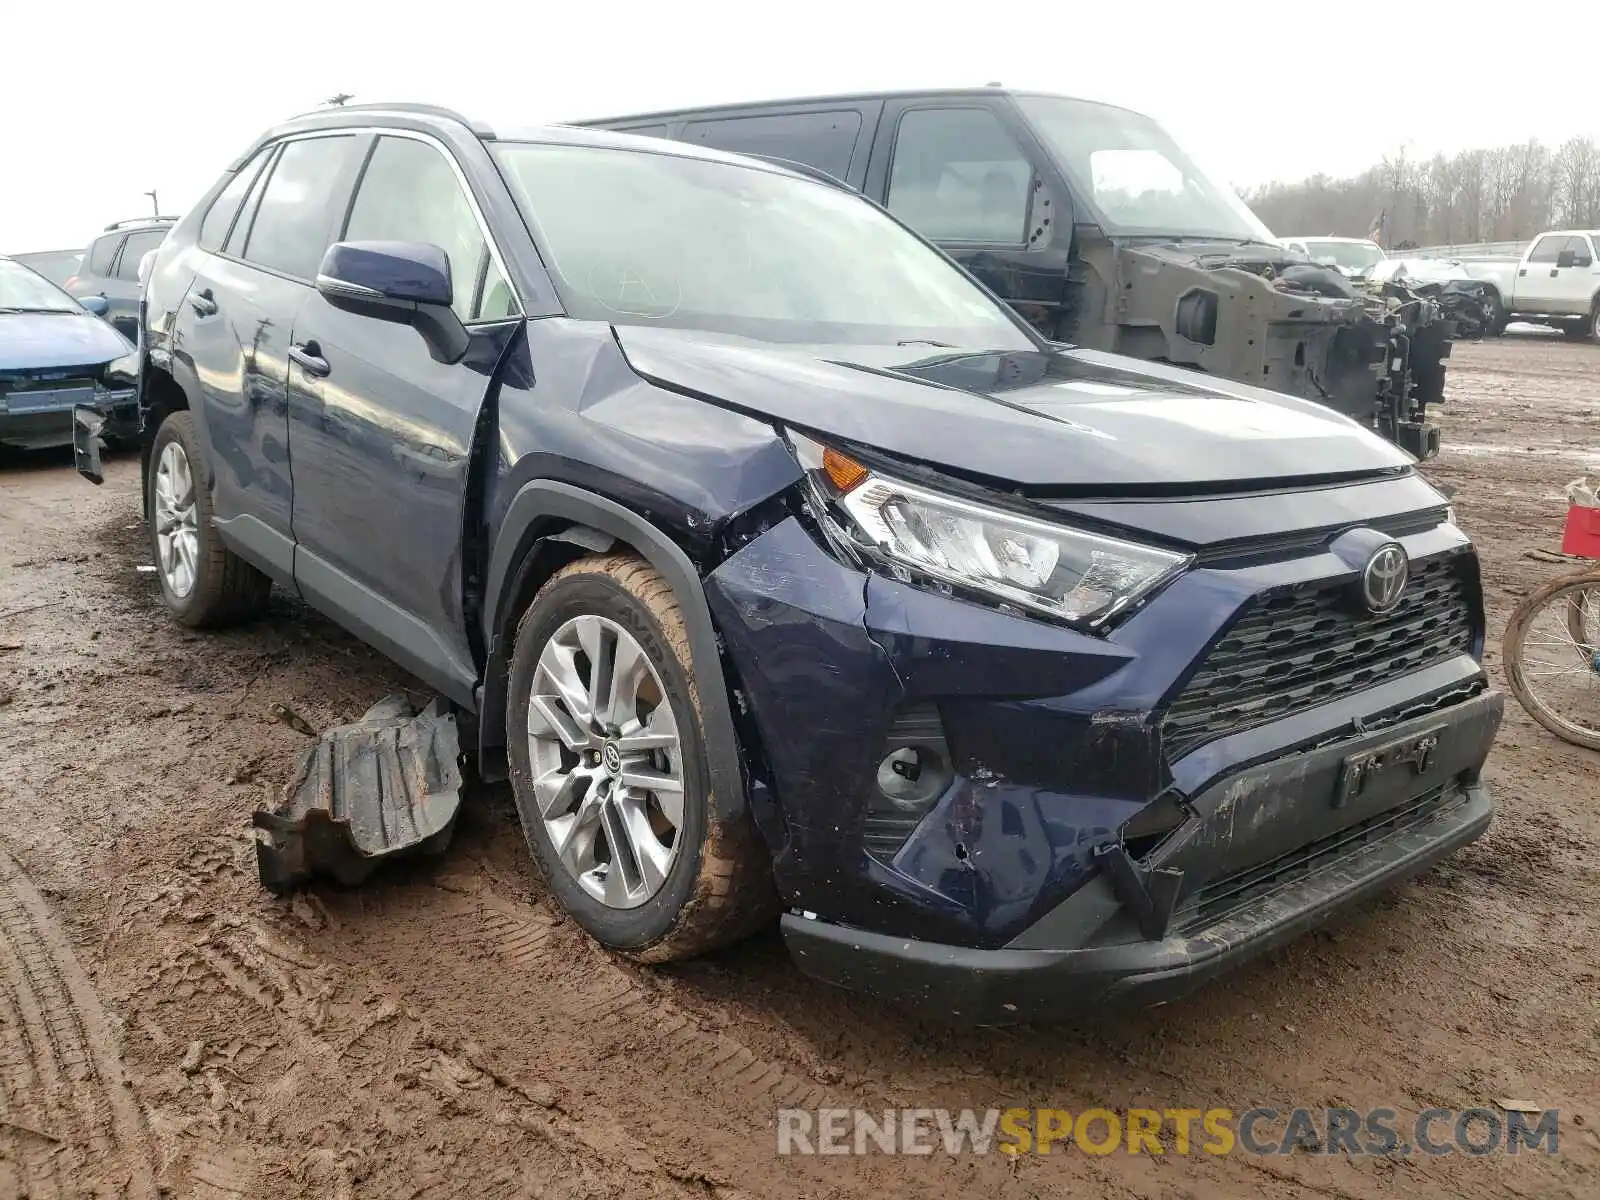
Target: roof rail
[430,110]
[136,221]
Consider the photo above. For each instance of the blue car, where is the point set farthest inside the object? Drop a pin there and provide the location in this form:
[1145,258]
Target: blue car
[786,571]
[56,353]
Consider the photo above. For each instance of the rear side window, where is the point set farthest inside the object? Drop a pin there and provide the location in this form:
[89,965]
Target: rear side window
[219,217]
[825,140]
[410,193]
[294,219]
[958,177]
[136,247]
[101,253]
[247,215]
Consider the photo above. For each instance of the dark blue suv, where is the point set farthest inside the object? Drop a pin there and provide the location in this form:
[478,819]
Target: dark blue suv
[783,569]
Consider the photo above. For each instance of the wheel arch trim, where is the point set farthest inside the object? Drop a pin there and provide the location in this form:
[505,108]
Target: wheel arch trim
[537,503]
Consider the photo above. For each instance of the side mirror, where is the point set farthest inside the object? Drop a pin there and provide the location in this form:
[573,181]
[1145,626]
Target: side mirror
[405,282]
[95,304]
[1567,258]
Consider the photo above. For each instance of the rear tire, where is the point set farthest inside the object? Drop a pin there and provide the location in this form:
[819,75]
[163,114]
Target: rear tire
[203,583]
[630,842]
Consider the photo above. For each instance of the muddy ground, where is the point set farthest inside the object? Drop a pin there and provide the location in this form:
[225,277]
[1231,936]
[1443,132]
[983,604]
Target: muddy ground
[166,1027]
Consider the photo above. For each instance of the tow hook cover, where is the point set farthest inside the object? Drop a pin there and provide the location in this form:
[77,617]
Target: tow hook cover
[386,786]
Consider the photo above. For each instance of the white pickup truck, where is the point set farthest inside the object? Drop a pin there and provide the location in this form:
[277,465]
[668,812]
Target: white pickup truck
[1556,282]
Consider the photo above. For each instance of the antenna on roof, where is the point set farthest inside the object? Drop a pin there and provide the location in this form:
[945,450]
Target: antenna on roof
[994,83]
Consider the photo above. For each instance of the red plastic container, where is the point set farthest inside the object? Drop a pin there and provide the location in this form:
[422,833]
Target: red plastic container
[1583,532]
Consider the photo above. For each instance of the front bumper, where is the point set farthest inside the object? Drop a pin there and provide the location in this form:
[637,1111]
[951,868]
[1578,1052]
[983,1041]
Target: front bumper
[1088,951]
[91,424]
[39,427]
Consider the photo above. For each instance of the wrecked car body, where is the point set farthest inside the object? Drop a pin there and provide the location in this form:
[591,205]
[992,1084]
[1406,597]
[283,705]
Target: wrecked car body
[55,353]
[1102,232]
[812,582]
[1252,312]
[1473,306]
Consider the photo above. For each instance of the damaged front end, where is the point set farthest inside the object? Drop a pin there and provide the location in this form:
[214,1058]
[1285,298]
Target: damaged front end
[1252,313]
[1007,818]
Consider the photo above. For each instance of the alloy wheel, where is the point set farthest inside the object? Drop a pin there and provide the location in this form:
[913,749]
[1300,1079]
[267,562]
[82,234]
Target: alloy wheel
[177,521]
[606,761]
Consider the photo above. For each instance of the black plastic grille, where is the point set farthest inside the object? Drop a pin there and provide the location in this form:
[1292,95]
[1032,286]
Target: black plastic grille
[1293,650]
[1217,899]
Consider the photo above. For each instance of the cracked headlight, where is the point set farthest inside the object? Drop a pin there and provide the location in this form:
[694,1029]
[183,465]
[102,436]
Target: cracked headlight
[1080,577]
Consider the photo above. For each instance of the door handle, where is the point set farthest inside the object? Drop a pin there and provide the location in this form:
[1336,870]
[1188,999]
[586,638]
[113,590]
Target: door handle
[1553,272]
[202,303]
[309,356]
[1523,271]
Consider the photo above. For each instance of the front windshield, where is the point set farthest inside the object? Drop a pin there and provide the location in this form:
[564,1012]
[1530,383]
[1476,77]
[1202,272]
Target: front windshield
[1138,179]
[23,291]
[640,238]
[1353,256]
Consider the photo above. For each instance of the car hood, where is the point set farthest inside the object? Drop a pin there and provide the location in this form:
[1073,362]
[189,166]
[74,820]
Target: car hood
[39,341]
[1073,420]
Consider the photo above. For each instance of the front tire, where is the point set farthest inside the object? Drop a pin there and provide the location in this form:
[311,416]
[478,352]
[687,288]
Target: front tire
[1496,321]
[203,583]
[608,768]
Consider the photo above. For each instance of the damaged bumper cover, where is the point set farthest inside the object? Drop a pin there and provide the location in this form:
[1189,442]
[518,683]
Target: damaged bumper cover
[386,785]
[1089,951]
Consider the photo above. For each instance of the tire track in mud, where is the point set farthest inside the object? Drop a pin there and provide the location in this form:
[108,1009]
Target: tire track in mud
[68,1111]
[608,995]
[298,1049]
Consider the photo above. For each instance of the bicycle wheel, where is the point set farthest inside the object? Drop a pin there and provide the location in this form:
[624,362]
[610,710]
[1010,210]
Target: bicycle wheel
[1552,659]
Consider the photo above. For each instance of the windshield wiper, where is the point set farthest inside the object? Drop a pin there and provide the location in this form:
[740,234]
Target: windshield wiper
[17,308]
[925,342]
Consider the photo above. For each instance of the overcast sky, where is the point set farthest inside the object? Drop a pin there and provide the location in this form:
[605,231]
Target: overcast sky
[100,102]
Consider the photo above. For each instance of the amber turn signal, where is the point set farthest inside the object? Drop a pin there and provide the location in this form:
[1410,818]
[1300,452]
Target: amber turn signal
[843,472]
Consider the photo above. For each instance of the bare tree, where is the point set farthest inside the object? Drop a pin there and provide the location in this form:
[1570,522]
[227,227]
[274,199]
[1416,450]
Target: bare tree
[1505,193]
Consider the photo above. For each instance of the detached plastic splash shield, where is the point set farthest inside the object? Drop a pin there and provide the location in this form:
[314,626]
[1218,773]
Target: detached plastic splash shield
[387,786]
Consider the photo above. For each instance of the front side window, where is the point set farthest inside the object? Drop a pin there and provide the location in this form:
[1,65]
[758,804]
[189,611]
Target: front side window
[23,291]
[1548,249]
[293,221]
[958,177]
[409,193]
[640,238]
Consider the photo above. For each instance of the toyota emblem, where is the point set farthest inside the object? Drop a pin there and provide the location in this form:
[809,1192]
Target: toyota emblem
[1383,581]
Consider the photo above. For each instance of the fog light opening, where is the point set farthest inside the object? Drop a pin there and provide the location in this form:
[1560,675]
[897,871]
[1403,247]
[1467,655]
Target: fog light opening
[913,773]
